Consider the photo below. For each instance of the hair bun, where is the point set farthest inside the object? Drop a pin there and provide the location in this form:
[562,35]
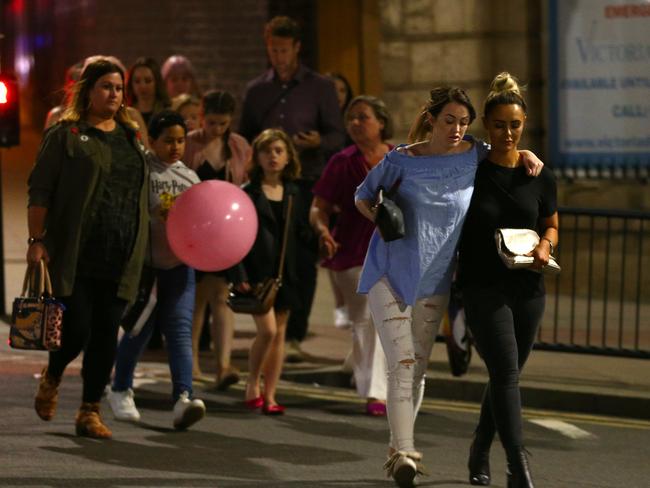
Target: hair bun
[504,82]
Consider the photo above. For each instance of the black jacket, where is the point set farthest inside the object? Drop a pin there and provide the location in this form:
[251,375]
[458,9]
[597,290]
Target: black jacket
[260,262]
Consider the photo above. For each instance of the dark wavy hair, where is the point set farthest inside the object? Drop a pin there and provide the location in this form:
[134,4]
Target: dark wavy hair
[161,98]
[379,109]
[438,98]
[220,102]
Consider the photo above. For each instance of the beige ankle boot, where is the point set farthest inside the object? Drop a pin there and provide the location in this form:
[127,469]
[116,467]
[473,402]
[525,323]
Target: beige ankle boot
[89,422]
[47,395]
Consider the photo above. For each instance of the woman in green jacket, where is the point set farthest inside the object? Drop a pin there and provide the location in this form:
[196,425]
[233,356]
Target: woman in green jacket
[88,219]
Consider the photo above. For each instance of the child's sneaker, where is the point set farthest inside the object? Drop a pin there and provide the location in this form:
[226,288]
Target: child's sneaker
[187,412]
[123,405]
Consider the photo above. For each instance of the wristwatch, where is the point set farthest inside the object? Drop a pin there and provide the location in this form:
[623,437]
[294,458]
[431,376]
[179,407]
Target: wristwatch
[34,240]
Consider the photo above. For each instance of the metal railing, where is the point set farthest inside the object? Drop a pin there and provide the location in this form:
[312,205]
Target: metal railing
[600,303]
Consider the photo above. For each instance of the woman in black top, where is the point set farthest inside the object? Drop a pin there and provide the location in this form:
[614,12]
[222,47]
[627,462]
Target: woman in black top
[503,306]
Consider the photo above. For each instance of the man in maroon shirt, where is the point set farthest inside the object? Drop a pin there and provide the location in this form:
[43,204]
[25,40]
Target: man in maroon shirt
[304,104]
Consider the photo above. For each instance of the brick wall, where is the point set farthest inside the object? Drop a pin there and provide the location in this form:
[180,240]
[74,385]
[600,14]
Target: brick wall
[223,39]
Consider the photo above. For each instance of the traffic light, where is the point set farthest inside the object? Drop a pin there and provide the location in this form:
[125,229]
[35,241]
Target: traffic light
[9,111]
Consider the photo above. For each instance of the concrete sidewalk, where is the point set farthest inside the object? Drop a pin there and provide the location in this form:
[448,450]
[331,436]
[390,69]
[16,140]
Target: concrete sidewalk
[551,380]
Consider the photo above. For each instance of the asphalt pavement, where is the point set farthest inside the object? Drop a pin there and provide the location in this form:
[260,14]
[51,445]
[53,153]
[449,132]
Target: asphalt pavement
[324,440]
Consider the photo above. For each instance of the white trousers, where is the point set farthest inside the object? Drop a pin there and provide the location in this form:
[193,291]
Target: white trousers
[407,335]
[368,360]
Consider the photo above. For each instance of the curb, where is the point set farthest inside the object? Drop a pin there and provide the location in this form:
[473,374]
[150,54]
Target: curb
[532,396]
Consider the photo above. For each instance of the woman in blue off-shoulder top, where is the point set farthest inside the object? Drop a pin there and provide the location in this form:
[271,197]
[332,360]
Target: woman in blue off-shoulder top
[408,280]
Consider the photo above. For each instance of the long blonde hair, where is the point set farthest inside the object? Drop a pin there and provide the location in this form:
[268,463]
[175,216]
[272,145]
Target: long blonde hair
[438,98]
[79,104]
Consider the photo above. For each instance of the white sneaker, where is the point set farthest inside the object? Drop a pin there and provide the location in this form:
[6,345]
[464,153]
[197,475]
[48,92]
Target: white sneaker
[341,318]
[187,412]
[123,405]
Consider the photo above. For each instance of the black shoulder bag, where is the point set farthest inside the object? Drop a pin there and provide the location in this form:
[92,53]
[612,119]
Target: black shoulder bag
[389,217]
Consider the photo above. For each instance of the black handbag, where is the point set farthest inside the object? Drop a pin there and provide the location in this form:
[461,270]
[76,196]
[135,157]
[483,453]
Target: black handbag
[262,297]
[389,218]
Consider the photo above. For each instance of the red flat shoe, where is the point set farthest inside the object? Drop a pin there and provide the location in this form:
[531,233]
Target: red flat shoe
[273,409]
[254,403]
[376,409]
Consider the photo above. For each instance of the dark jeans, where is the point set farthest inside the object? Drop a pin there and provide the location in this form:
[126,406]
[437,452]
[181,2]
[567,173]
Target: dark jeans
[90,324]
[504,321]
[307,271]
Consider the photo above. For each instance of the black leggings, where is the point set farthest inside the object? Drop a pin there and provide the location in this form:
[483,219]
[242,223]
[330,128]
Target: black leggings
[504,321]
[90,323]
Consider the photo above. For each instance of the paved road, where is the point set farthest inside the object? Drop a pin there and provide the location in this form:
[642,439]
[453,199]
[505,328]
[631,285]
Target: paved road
[323,441]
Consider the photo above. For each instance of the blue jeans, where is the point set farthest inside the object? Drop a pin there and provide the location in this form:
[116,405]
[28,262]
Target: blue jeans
[173,312]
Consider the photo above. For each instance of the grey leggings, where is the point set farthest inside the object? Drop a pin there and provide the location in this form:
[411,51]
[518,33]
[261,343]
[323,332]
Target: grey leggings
[407,335]
[504,321]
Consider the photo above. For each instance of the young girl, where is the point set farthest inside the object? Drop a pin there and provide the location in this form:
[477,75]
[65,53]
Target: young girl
[169,177]
[190,109]
[215,152]
[145,90]
[275,167]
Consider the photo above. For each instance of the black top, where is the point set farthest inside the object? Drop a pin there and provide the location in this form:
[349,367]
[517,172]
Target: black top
[113,223]
[207,172]
[503,198]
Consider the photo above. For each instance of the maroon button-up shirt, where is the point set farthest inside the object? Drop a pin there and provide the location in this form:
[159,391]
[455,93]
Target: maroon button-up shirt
[307,102]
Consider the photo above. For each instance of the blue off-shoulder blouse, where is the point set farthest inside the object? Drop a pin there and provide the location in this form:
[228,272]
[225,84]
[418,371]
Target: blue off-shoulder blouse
[434,196]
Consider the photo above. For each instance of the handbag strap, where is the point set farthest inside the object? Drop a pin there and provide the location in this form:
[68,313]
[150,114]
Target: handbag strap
[44,281]
[285,237]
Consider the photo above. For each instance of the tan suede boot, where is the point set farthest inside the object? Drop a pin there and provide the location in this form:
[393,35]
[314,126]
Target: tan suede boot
[47,395]
[89,422]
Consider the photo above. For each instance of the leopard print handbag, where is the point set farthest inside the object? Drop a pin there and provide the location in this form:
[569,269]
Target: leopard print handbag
[37,316]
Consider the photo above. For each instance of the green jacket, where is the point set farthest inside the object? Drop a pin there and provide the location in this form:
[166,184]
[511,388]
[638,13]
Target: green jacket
[70,161]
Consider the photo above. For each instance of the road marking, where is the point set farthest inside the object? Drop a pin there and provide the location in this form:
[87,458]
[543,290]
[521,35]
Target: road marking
[429,404]
[564,428]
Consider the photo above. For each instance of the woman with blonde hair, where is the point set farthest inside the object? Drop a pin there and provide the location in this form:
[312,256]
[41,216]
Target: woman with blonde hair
[88,218]
[504,307]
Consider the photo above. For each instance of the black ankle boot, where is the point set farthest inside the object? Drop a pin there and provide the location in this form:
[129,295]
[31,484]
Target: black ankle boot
[479,464]
[518,470]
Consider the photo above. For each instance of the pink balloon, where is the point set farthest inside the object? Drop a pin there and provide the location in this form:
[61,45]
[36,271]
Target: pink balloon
[212,226]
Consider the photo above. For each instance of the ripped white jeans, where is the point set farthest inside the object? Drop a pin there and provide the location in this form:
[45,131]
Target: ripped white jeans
[407,334]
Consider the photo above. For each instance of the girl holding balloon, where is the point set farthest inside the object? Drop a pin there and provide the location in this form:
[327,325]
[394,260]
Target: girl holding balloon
[275,166]
[169,177]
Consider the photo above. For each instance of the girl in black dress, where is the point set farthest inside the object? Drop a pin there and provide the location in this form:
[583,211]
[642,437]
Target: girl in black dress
[275,166]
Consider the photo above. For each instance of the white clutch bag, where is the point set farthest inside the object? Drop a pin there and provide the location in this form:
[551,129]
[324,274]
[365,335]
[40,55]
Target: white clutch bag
[514,244]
